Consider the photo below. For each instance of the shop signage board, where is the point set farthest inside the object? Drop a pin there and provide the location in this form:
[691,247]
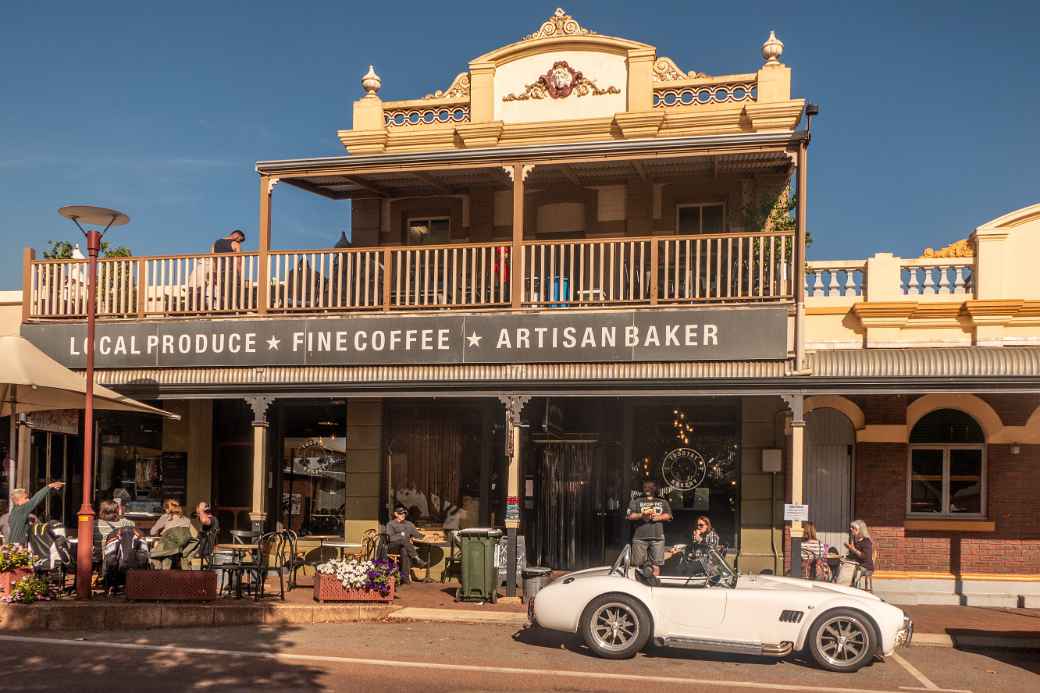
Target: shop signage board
[795,512]
[692,334]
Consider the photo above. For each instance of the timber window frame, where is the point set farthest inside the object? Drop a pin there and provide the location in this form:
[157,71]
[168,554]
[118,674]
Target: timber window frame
[946,452]
[429,220]
[700,206]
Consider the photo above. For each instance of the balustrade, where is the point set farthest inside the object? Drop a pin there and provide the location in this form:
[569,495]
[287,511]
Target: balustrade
[661,270]
[934,276]
[835,278]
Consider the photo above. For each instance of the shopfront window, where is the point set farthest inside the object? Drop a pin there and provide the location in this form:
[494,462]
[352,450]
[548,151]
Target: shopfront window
[947,466]
[692,451]
[131,467]
[314,463]
[433,453]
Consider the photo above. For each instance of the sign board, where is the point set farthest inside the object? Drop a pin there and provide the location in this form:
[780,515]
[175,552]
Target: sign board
[796,513]
[572,336]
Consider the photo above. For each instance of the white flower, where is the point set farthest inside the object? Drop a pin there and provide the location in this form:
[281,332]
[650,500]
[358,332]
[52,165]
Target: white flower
[350,573]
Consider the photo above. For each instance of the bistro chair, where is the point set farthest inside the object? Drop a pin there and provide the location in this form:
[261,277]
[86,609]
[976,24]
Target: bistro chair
[272,555]
[234,565]
[453,558]
[296,558]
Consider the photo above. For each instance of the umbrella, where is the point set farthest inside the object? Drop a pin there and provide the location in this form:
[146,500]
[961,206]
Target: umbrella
[32,381]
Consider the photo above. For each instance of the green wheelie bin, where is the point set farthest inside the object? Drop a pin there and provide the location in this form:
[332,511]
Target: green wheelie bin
[479,579]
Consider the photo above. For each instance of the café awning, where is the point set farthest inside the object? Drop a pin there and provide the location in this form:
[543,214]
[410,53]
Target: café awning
[32,381]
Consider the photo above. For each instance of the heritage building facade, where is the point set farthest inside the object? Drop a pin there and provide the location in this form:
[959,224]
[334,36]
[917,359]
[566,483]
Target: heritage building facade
[577,267]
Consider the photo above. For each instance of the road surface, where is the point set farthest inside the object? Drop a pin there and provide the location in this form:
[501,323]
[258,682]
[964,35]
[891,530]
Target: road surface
[432,657]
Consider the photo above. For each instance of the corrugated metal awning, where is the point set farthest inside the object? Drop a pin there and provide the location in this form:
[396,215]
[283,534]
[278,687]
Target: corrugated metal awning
[935,362]
[847,370]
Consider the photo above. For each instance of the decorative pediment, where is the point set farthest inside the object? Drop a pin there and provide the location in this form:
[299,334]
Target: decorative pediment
[559,82]
[559,24]
[961,248]
[665,70]
[459,89]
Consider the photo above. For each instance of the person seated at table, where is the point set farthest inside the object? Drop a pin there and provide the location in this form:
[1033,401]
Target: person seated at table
[109,519]
[207,528]
[173,516]
[399,533]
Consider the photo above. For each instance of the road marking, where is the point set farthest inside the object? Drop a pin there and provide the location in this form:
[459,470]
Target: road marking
[397,664]
[916,673]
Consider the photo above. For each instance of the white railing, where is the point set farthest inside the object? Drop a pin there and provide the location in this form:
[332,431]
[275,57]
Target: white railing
[450,276]
[935,276]
[583,272]
[324,280]
[197,284]
[836,278]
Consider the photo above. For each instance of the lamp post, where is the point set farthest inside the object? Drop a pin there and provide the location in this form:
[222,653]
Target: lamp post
[92,217]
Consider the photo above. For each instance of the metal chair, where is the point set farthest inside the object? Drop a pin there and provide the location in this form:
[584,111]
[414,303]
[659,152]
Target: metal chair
[271,555]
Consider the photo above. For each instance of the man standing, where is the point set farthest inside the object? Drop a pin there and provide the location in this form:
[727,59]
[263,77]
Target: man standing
[21,506]
[648,512]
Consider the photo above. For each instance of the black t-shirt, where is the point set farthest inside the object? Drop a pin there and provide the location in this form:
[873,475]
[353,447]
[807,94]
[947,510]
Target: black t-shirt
[223,245]
[645,528]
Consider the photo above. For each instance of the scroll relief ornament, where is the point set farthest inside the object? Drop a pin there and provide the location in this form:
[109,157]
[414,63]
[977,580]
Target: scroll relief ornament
[665,70]
[559,82]
[559,24]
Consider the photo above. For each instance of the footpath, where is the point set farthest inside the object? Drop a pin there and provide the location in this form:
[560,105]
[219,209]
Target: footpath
[963,627]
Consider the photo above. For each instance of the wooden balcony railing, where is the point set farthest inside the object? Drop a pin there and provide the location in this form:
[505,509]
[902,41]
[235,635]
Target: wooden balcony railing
[650,271]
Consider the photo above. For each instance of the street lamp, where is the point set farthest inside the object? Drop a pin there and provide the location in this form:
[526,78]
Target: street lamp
[92,217]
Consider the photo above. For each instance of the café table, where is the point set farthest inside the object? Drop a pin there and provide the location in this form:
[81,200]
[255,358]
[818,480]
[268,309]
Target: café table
[343,547]
[239,550]
[430,545]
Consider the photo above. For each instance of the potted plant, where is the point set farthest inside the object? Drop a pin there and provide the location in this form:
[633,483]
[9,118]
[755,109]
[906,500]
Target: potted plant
[352,580]
[15,563]
[30,588]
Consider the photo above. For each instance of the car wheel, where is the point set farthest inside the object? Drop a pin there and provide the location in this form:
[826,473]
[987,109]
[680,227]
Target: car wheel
[615,626]
[842,640]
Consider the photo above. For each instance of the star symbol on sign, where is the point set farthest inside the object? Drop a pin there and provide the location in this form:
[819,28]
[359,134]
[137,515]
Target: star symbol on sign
[272,343]
[474,339]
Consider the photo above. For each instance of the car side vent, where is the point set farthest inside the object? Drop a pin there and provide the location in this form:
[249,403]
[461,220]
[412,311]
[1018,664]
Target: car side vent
[788,616]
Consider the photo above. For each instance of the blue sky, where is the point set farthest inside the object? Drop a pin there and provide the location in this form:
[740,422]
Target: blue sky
[929,122]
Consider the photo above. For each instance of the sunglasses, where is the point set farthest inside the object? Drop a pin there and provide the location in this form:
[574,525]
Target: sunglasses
[701,524]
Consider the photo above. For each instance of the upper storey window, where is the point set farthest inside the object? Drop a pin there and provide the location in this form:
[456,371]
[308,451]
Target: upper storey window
[701,218]
[429,230]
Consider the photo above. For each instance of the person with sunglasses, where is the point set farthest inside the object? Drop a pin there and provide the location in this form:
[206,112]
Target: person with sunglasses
[399,534]
[704,535]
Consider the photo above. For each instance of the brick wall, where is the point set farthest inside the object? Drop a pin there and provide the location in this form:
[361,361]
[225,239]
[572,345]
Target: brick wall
[1013,503]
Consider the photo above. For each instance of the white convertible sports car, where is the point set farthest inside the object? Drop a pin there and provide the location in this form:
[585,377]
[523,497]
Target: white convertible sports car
[618,609]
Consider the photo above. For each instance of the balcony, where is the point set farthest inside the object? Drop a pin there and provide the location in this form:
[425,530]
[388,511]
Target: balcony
[646,271]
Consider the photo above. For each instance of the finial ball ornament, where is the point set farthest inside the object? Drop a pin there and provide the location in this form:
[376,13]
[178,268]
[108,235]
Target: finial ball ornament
[772,49]
[371,82]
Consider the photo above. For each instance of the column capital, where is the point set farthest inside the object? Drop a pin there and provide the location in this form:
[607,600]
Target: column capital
[796,404]
[514,405]
[525,171]
[259,404]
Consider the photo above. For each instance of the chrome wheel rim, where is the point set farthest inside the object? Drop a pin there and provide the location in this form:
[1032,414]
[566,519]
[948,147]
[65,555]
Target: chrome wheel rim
[843,641]
[614,626]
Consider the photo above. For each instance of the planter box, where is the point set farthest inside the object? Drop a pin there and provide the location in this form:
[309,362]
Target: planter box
[171,585]
[9,578]
[328,589]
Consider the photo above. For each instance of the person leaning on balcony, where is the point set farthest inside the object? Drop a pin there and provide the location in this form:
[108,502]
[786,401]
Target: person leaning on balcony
[21,506]
[231,243]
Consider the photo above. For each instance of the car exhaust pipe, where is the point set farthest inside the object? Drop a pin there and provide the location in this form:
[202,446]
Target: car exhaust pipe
[779,650]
